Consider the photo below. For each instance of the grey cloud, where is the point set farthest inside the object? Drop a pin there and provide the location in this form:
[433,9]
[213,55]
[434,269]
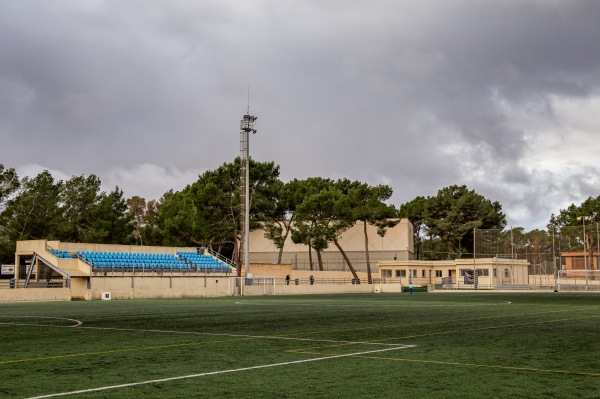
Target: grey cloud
[423,95]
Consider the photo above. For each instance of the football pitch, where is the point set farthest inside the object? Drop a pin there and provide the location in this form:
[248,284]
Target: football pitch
[428,345]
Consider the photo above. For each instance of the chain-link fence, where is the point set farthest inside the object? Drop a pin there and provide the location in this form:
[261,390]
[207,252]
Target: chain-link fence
[566,250]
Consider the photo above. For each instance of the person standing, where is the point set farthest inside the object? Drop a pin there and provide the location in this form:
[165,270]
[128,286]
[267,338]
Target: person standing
[410,288]
[287,280]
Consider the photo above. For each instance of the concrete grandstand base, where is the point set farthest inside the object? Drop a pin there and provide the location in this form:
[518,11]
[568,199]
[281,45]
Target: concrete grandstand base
[180,287]
[35,294]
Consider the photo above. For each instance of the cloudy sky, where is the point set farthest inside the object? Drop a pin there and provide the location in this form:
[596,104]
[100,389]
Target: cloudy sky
[503,96]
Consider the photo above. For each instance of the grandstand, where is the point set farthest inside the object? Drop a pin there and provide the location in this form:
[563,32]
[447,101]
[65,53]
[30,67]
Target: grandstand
[139,260]
[88,270]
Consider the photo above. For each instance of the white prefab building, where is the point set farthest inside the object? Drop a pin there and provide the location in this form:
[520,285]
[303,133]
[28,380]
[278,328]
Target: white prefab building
[486,273]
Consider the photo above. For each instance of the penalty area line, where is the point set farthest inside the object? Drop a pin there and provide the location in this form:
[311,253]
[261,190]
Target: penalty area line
[77,322]
[183,377]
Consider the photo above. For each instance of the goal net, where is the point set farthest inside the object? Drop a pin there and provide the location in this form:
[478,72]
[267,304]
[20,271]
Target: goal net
[579,280]
[569,253]
[538,248]
[254,286]
[491,243]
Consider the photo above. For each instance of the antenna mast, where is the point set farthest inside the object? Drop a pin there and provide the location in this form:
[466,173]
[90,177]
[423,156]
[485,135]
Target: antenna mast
[246,126]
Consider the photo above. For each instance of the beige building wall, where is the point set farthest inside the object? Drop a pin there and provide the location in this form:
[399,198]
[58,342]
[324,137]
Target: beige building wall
[35,294]
[324,282]
[304,288]
[128,287]
[281,271]
[396,244]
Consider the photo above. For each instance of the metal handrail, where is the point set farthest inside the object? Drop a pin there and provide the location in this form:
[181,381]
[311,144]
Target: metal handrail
[221,258]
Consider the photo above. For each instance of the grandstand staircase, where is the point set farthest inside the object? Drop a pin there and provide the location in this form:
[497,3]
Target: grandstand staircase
[50,265]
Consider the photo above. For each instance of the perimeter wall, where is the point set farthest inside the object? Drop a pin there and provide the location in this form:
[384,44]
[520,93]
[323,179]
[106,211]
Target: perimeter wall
[35,294]
[267,279]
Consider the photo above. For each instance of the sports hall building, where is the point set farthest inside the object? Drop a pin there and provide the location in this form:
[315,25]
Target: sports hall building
[396,244]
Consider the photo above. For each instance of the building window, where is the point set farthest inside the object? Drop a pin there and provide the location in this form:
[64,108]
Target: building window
[506,273]
[578,263]
[423,273]
[480,272]
[494,272]
[438,273]
[386,273]
[414,273]
[400,273]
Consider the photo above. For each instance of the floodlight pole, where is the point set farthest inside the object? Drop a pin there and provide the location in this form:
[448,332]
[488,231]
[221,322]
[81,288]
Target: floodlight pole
[474,261]
[554,256]
[246,126]
[585,266]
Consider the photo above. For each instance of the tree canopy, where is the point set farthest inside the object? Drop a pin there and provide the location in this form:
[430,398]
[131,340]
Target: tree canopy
[367,205]
[72,211]
[9,183]
[449,219]
[570,224]
[314,211]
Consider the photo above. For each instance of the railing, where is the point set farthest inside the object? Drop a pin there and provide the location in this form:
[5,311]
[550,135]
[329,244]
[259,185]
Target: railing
[332,265]
[220,257]
[157,272]
[7,283]
[12,283]
[329,281]
[578,287]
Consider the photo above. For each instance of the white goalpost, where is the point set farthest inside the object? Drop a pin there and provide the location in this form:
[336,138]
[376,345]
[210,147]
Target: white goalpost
[254,285]
[578,280]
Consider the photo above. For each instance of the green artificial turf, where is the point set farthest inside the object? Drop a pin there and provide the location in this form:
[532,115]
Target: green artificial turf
[428,345]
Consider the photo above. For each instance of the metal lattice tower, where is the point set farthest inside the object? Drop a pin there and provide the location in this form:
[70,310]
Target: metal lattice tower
[246,126]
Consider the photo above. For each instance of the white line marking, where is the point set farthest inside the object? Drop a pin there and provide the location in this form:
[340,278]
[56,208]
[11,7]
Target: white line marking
[79,325]
[77,322]
[239,336]
[183,377]
[378,305]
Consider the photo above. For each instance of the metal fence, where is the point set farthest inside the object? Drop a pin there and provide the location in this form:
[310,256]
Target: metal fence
[12,283]
[546,252]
